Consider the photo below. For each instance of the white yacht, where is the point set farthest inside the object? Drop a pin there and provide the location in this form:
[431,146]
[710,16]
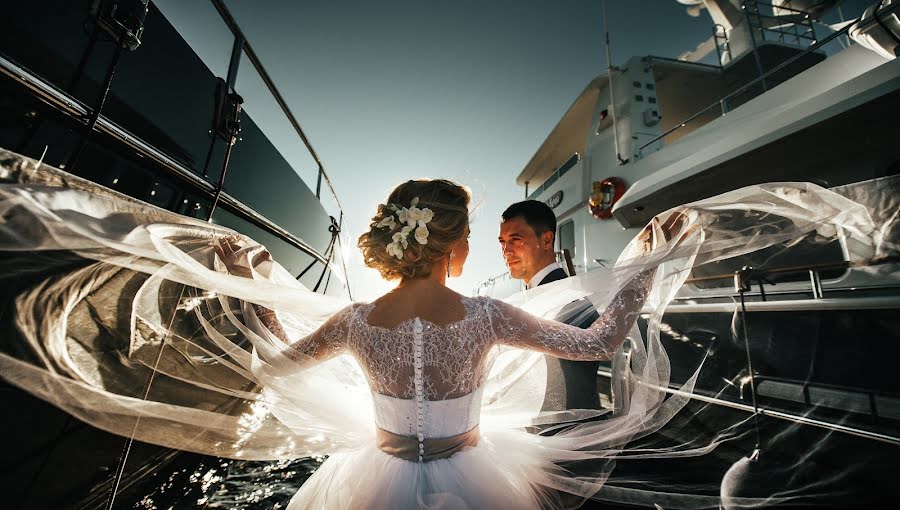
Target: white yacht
[659,132]
[822,333]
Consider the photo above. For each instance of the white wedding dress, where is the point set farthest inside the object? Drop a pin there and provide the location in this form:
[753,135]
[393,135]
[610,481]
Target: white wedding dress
[428,382]
[123,315]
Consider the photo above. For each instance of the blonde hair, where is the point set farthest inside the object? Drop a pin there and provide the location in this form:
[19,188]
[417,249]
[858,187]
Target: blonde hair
[449,202]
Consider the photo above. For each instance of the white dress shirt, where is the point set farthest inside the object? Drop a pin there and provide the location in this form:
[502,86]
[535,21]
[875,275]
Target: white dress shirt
[536,279]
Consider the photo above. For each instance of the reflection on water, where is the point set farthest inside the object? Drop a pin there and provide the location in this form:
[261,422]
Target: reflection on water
[198,482]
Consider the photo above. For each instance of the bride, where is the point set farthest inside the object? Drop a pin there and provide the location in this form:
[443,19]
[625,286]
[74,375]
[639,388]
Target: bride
[182,333]
[424,350]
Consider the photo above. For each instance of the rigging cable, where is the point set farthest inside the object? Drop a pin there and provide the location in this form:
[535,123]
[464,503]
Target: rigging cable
[126,449]
[743,280]
[612,98]
[227,122]
[221,183]
[343,258]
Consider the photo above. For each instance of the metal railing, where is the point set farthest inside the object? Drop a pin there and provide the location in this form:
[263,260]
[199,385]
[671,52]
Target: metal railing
[242,42]
[490,282]
[66,103]
[744,278]
[559,172]
[764,411]
[720,103]
[276,94]
[784,28]
[70,106]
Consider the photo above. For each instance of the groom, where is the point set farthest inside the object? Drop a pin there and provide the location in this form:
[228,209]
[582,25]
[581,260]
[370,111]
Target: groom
[527,235]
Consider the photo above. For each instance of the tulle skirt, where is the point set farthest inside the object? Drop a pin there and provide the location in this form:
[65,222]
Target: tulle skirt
[498,473]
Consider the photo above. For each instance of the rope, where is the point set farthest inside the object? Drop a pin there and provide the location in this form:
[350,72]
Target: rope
[126,449]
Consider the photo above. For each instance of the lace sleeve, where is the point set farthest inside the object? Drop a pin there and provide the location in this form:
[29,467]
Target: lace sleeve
[515,327]
[324,343]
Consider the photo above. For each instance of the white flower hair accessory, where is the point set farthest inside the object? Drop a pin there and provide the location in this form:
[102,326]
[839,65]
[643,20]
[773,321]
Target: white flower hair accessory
[387,221]
[411,218]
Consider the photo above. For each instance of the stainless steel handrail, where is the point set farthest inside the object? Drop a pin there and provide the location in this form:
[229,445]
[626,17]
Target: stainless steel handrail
[763,411]
[825,266]
[264,75]
[790,305]
[70,106]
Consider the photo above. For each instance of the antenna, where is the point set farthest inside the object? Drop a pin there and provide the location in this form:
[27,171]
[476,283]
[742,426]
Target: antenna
[612,98]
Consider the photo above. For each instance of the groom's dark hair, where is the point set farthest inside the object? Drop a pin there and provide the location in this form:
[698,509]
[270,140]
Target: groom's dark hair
[537,215]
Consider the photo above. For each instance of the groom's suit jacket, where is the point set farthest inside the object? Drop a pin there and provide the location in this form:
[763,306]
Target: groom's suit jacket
[571,384]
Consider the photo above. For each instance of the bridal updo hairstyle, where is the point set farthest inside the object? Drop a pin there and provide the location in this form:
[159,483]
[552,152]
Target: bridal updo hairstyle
[449,202]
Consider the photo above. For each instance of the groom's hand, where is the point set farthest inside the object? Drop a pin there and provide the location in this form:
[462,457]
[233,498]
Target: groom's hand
[674,223]
[669,228]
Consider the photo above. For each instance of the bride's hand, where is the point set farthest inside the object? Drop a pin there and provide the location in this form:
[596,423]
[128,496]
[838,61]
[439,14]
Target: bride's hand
[239,260]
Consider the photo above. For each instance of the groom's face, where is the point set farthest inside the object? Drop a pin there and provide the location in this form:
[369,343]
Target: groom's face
[524,252]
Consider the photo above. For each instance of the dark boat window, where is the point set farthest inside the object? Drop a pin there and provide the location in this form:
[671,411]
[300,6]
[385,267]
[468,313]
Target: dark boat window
[102,162]
[568,165]
[687,338]
[258,173]
[28,126]
[274,124]
[567,237]
[50,46]
[260,177]
[550,180]
[164,94]
[161,92]
[213,44]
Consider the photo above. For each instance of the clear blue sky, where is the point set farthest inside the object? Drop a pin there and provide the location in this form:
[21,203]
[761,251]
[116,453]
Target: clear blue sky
[466,90]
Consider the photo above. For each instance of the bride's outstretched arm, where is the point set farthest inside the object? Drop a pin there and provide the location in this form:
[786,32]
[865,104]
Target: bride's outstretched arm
[515,327]
[324,343]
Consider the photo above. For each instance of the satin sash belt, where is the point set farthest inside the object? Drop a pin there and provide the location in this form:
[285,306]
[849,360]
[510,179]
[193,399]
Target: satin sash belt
[407,448]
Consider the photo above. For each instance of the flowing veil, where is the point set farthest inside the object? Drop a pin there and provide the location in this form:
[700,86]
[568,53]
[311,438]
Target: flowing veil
[122,315]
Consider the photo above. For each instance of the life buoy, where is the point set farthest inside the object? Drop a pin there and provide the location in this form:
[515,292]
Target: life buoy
[604,196]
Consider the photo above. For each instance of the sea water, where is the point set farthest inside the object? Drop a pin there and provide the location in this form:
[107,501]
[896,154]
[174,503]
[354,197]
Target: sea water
[199,482]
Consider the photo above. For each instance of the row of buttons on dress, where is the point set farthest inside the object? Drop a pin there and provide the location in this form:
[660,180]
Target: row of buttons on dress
[418,366]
